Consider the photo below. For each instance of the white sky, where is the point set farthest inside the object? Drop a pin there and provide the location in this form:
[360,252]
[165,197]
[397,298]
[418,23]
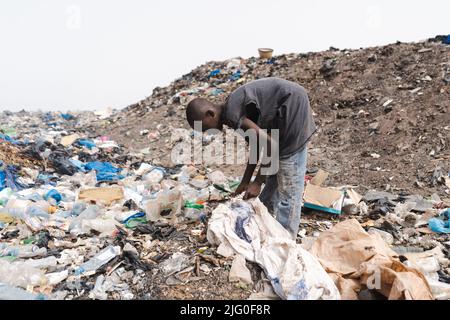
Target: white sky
[91,54]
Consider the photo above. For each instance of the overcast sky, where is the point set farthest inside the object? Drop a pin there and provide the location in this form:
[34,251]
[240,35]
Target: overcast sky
[91,54]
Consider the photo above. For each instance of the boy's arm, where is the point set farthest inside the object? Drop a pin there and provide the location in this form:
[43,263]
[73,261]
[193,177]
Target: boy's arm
[253,189]
[246,178]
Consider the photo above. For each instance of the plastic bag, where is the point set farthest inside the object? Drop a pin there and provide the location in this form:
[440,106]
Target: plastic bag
[166,206]
[439,225]
[105,171]
[21,275]
[8,179]
[54,194]
[85,143]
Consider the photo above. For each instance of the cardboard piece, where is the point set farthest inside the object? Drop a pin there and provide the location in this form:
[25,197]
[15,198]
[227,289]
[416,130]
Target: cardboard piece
[105,195]
[319,178]
[323,199]
[354,196]
[68,140]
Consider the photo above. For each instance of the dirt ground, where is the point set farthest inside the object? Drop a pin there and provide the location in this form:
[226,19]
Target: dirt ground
[351,100]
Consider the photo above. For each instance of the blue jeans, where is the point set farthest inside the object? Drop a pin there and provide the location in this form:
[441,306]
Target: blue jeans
[283,192]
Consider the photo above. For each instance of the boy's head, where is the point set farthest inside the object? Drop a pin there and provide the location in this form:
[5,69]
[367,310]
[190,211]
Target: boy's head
[205,111]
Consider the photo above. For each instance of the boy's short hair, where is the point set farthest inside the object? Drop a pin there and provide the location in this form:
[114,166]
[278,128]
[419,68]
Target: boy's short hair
[196,109]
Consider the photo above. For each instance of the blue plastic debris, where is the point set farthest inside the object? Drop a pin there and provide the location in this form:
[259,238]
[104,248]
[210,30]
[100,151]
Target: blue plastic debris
[9,139]
[214,73]
[43,179]
[105,171]
[101,166]
[236,76]
[136,215]
[78,164]
[439,224]
[67,116]
[53,194]
[85,143]
[446,39]
[217,91]
[8,178]
[109,176]
[47,117]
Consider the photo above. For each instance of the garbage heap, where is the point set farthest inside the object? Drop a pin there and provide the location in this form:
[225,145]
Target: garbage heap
[80,218]
[382,112]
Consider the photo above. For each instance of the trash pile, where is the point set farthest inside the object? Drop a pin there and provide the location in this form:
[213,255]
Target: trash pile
[384,132]
[82,219]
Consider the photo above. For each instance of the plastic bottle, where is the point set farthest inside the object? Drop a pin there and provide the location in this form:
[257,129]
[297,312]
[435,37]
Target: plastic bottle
[34,197]
[8,292]
[35,211]
[99,260]
[21,275]
[154,176]
[194,211]
[90,212]
[183,176]
[44,263]
[22,251]
[194,214]
[78,208]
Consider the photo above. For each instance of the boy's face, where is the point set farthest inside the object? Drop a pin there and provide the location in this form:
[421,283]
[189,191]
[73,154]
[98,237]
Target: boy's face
[211,120]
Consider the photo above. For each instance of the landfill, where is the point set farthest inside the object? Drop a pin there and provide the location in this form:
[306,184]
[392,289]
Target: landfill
[93,206]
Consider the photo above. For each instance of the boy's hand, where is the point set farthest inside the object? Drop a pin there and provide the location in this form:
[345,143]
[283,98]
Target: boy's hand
[241,188]
[253,190]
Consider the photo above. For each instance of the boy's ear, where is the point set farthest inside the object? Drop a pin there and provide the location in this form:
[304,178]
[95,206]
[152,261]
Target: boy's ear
[210,113]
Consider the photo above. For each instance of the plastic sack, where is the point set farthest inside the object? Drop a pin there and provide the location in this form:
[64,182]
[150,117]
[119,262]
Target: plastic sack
[85,143]
[105,171]
[440,225]
[293,272]
[54,194]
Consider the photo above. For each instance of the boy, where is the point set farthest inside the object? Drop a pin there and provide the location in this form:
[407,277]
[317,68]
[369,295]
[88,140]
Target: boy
[269,103]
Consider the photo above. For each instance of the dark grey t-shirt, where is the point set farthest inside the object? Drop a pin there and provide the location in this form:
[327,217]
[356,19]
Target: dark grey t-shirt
[273,103]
